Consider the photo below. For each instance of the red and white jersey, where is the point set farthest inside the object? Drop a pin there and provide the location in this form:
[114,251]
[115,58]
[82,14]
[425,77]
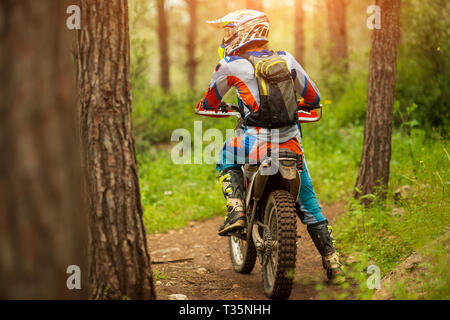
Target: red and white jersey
[238,72]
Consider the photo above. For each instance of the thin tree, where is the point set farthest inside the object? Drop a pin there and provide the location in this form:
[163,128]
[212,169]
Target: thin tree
[163,37]
[338,33]
[191,62]
[376,153]
[42,225]
[317,24]
[119,261]
[299,32]
[254,4]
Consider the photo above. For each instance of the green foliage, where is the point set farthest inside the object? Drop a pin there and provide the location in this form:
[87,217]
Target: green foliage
[334,76]
[332,153]
[156,116]
[423,70]
[351,106]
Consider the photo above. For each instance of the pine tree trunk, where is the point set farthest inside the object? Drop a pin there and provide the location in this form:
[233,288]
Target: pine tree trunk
[163,36]
[376,153]
[42,225]
[299,32]
[119,262]
[338,33]
[254,4]
[191,43]
[317,24]
[318,9]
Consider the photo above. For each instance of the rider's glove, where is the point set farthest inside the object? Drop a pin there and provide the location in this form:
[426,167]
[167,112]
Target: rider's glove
[223,107]
[305,106]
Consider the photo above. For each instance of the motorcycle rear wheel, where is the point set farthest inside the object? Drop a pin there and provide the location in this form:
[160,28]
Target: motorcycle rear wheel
[278,265]
[242,254]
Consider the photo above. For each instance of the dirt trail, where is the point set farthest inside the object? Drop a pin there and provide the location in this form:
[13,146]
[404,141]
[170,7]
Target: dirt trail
[208,273]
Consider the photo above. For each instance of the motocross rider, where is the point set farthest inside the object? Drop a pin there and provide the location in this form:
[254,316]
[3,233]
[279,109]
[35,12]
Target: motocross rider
[246,32]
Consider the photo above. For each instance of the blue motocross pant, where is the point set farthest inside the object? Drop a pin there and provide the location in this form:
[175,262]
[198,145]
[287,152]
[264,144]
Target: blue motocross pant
[238,151]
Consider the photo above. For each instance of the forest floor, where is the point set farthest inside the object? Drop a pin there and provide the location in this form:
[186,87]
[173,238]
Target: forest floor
[206,272]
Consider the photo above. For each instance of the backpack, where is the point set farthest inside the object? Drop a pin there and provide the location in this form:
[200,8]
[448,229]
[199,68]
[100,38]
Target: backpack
[278,105]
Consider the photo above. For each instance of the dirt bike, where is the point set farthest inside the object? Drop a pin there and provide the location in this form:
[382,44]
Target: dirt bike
[272,187]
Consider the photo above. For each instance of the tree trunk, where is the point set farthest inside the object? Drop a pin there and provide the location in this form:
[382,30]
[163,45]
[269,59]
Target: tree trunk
[376,153]
[317,25]
[254,4]
[163,36]
[191,43]
[338,33]
[119,262]
[299,32]
[42,225]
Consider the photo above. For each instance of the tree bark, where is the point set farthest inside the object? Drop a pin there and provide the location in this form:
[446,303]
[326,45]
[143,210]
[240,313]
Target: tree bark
[299,32]
[191,43]
[376,153]
[42,225]
[338,32]
[119,262]
[254,4]
[163,36]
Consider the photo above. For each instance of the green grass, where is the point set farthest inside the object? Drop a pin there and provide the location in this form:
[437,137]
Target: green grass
[159,275]
[332,155]
[377,236]
[436,284]
[173,195]
[432,281]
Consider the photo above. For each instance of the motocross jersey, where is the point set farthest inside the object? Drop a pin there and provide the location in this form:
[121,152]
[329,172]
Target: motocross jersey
[236,71]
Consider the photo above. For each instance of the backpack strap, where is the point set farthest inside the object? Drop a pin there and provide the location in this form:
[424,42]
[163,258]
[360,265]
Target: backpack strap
[247,57]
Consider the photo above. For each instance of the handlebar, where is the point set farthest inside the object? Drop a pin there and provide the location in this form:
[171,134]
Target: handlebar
[226,107]
[306,112]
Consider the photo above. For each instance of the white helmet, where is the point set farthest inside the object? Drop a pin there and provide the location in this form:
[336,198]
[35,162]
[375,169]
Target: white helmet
[241,27]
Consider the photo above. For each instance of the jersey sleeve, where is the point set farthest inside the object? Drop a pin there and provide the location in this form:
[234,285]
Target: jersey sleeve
[303,84]
[218,87]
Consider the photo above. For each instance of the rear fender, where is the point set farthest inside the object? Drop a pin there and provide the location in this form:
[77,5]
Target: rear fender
[294,185]
[288,170]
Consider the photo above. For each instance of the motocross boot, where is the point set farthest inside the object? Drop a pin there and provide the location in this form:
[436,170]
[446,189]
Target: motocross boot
[321,235]
[232,182]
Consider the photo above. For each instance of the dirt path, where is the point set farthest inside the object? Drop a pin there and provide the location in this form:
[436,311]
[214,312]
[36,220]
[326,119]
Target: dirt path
[208,273]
